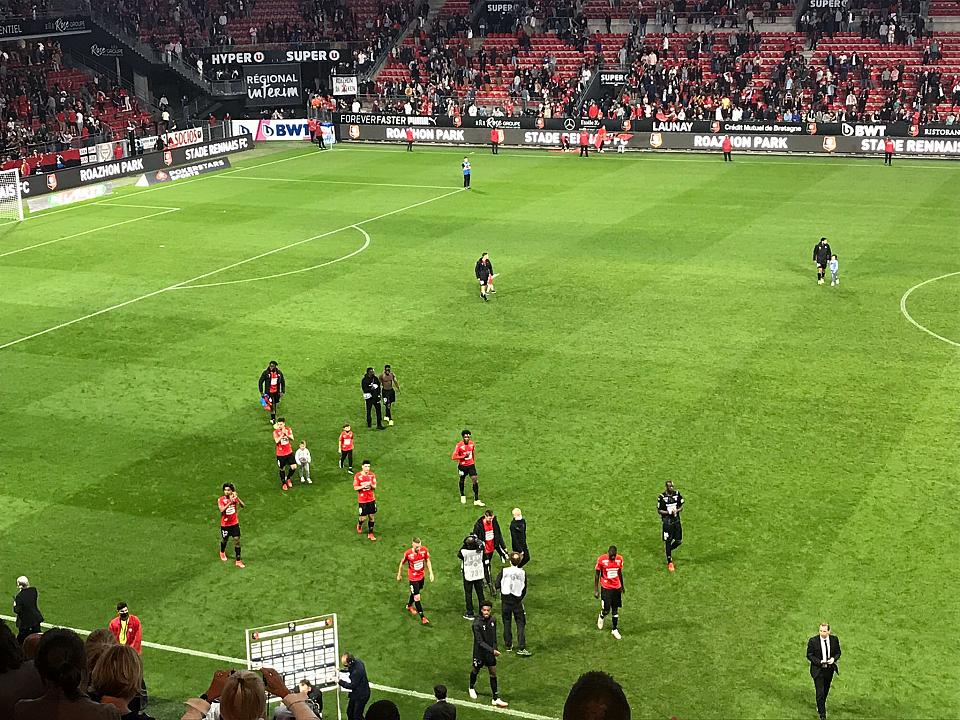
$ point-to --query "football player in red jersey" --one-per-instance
(286, 460)
(345, 445)
(229, 522)
(608, 586)
(415, 558)
(465, 455)
(365, 483)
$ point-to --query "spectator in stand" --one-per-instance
(25, 608)
(116, 680)
(19, 679)
(61, 662)
(596, 696)
(441, 709)
(242, 696)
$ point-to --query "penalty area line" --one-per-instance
(243, 663)
(205, 275)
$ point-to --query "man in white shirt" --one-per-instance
(302, 457)
(512, 584)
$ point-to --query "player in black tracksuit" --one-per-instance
(484, 273)
(370, 386)
(821, 256)
(669, 505)
(485, 651)
(518, 536)
(273, 386)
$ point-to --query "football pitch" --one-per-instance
(657, 317)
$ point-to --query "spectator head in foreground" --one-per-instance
(94, 646)
(383, 710)
(243, 697)
(30, 645)
(596, 696)
(117, 676)
(11, 654)
(61, 661)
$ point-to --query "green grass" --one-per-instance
(657, 317)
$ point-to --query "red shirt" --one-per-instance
(346, 441)
(282, 438)
(727, 145)
(134, 631)
(228, 512)
(409, 135)
(610, 571)
(584, 138)
(494, 135)
(273, 386)
(489, 536)
(463, 453)
(888, 146)
(416, 561)
(365, 496)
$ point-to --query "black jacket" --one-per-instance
(441, 710)
(498, 545)
(815, 655)
(264, 383)
(483, 270)
(25, 608)
(484, 636)
(518, 535)
(370, 385)
(822, 253)
(358, 685)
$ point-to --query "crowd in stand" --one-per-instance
(37, 113)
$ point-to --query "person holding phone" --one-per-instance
(242, 696)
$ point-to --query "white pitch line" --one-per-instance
(906, 313)
(241, 662)
(110, 203)
(87, 232)
(340, 182)
(205, 275)
(366, 244)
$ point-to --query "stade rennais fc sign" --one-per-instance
(274, 85)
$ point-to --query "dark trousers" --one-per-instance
(34, 630)
(469, 588)
(494, 146)
(374, 403)
(727, 157)
(466, 180)
(409, 147)
(584, 151)
(320, 143)
(346, 459)
(513, 610)
(821, 682)
(888, 158)
(356, 705)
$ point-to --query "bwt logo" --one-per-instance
(292, 130)
(863, 130)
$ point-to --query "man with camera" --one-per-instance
(472, 567)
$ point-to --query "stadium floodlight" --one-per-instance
(298, 649)
(11, 205)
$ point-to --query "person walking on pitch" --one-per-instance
(465, 455)
(834, 266)
(512, 584)
(302, 456)
(487, 529)
(388, 388)
(821, 256)
(465, 166)
(608, 586)
(370, 387)
(416, 558)
(228, 503)
(485, 652)
(365, 483)
(473, 569)
(823, 651)
(669, 505)
(272, 386)
(286, 460)
(345, 446)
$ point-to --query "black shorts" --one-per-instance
(465, 470)
(484, 279)
(611, 599)
(389, 396)
(230, 531)
(820, 265)
(368, 508)
(286, 460)
(416, 586)
(274, 399)
(485, 660)
(672, 531)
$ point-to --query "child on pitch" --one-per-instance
(303, 463)
(834, 266)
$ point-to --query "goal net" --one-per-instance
(11, 207)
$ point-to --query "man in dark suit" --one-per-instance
(26, 610)
(441, 709)
(823, 651)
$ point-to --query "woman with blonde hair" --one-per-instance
(116, 679)
(242, 696)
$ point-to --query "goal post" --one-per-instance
(11, 202)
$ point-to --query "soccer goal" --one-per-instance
(11, 205)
